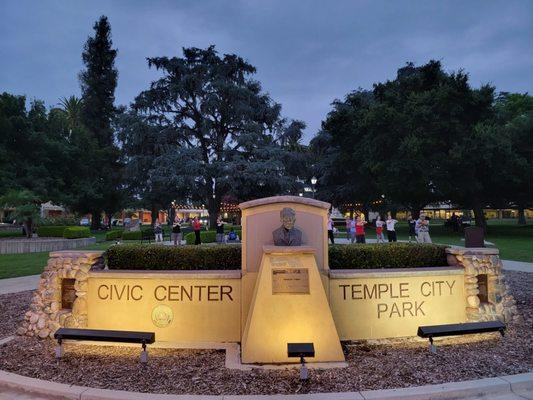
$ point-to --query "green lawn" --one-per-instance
(515, 243)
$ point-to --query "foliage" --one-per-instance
(394, 255)
(59, 221)
(100, 190)
(25, 205)
(138, 235)
(114, 234)
(76, 232)
(157, 257)
(206, 236)
(51, 231)
(220, 127)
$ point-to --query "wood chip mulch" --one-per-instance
(12, 309)
(394, 364)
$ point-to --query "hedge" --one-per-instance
(137, 235)
(76, 232)
(113, 234)
(391, 255)
(351, 256)
(157, 257)
(206, 236)
(51, 231)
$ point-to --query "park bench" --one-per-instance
(99, 335)
(432, 331)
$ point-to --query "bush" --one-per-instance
(352, 256)
(113, 234)
(157, 257)
(51, 231)
(131, 235)
(137, 235)
(394, 255)
(76, 232)
(60, 221)
(206, 236)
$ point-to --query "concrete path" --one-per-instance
(517, 266)
(13, 386)
(14, 285)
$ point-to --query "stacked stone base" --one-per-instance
(46, 313)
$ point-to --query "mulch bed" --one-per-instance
(397, 363)
(12, 309)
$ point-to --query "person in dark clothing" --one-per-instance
(220, 230)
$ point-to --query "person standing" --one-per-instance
(391, 231)
(220, 230)
(197, 227)
(348, 227)
(422, 226)
(352, 230)
(330, 229)
(158, 231)
(360, 230)
(379, 230)
(176, 232)
(412, 228)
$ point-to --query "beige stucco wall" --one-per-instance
(203, 306)
(376, 304)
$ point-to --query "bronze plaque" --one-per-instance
(290, 281)
(482, 285)
(68, 293)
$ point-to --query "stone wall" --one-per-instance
(46, 313)
(37, 245)
(483, 267)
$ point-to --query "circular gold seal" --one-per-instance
(162, 316)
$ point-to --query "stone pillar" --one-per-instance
(483, 270)
(46, 313)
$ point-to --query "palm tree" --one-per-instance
(72, 106)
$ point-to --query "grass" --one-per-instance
(13, 265)
(515, 243)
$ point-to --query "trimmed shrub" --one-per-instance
(137, 235)
(59, 221)
(51, 231)
(391, 255)
(206, 236)
(131, 235)
(351, 256)
(113, 234)
(157, 257)
(76, 232)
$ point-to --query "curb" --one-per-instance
(511, 386)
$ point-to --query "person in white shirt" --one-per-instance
(422, 227)
(379, 230)
(391, 232)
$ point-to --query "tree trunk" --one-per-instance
(213, 207)
(415, 212)
(521, 215)
(154, 213)
(28, 226)
(109, 217)
(171, 215)
(479, 216)
(95, 220)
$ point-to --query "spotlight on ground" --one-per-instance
(301, 350)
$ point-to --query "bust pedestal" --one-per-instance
(289, 305)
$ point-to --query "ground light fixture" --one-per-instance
(301, 350)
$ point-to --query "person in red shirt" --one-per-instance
(360, 230)
(197, 227)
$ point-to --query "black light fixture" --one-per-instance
(301, 350)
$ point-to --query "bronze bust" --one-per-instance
(287, 234)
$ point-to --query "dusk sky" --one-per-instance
(307, 53)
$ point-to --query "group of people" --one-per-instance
(176, 234)
(355, 229)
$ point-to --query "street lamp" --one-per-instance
(313, 183)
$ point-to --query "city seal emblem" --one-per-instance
(162, 316)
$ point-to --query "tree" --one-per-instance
(514, 117)
(26, 208)
(98, 83)
(221, 126)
